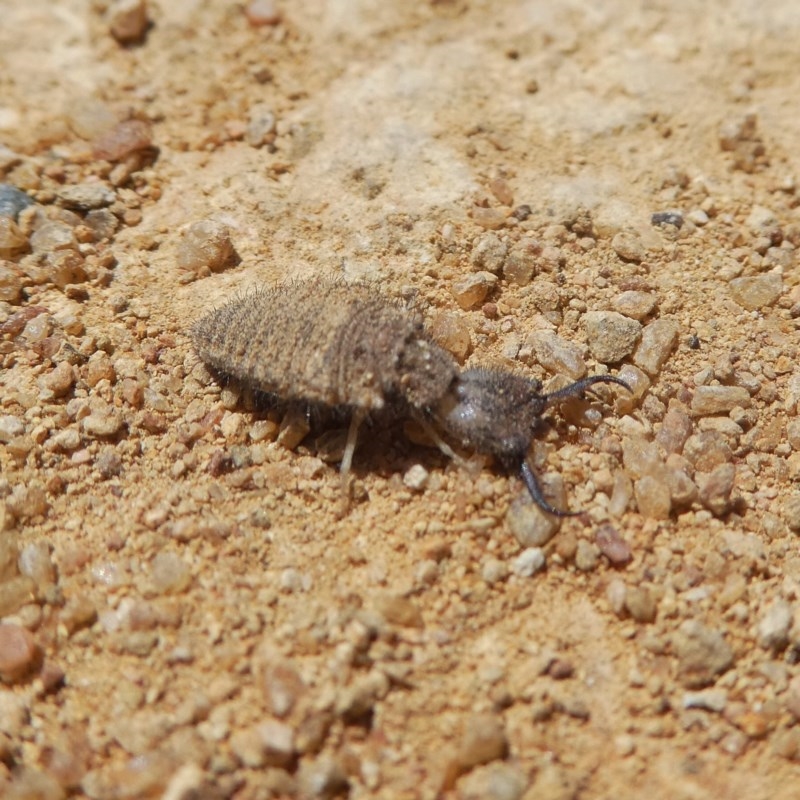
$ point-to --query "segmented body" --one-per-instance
(325, 342)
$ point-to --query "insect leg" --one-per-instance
(350, 446)
(444, 448)
(532, 482)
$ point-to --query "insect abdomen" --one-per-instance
(322, 341)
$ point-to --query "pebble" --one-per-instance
(698, 217)
(102, 424)
(676, 427)
(108, 463)
(14, 713)
(790, 511)
(613, 546)
(169, 573)
(11, 282)
(587, 556)
(502, 191)
(206, 245)
(12, 240)
(282, 686)
(641, 604)
(709, 400)
(471, 290)
(489, 253)
(277, 742)
(78, 613)
(681, 487)
(707, 450)
(123, 140)
(452, 332)
(611, 336)
(53, 236)
(490, 218)
(323, 778)
(530, 526)
(528, 562)
(702, 653)
(103, 223)
(761, 220)
(659, 339)
(484, 741)
(398, 610)
(19, 653)
(260, 128)
(13, 200)
(774, 626)
(634, 304)
(36, 563)
(496, 781)
(628, 246)
(653, 498)
(127, 20)
(262, 12)
(707, 699)
(10, 427)
(494, 571)
(86, 196)
(714, 488)
(555, 354)
(757, 292)
(520, 264)
(416, 477)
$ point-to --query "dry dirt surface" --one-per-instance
(560, 189)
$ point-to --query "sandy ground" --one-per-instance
(185, 614)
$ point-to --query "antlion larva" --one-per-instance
(347, 346)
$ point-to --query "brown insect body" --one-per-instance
(325, 342)
(345, 345)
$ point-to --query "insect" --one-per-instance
(347, 346)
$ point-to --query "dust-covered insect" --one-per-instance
(348, 347)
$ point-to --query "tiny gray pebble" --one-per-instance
(13, 200)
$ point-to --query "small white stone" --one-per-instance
(528, 562)
(416, 477)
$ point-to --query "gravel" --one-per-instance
(659, 339)
(702, 653)
(472, 290)
(489, 253)
(641, 604)
(206, 247)
(530, 561)
(635, 304)
(628, 246)
(774, 626)
(611, 336)
(710, 400)
(529, 525)
(13, 200)
(19, 653)
(757, 292)
(86, 196)
(555, 354)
